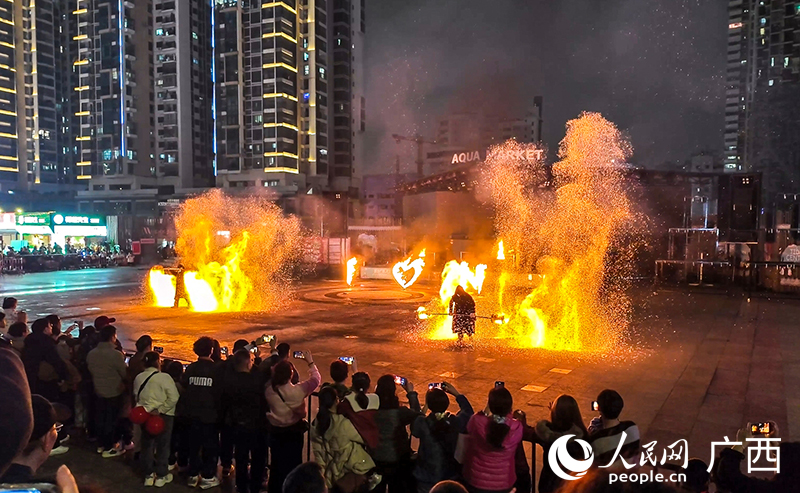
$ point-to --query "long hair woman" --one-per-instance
(494, 436)
(287, 415)
(393, 453)
(565, 419)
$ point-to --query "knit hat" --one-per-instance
(16, 414)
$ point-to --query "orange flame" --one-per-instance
(351, 270)
(501, 251)
(235, 250)
(162, 285)
(565, 238)
(400, 270)
(561, 238)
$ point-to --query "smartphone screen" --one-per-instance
(347, 359)
(298, 355)
(158, 349)
(760, 428)
(435, 385)
(224, 350)
(75, 333)
(399, 380)
(595, 407)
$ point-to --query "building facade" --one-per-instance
(464, 138)
(184, 94)
(763, 85)
(114, 130)
(289, 95)
(34, 84)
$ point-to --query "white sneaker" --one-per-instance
(193, 481)
(150, 480)
(209, 483)
(59, 450)
(114, 452)
(373, 481)
(161, 481)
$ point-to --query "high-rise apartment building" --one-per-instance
(287, 76)
(257, 108)
(33, 82)
(114, 63)
(184, 93)
(349, 104)
(763, 80)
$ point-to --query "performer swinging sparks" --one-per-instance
(180, 287)
(462, 309)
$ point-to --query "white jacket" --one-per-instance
(160, 394)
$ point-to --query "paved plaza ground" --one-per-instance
(698, 365)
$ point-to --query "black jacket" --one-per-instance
(243, 401)
(17, 474)
(41, 347)
(729, 476)
(200, 399)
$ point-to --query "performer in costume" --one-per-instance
(462, 309)
(180, 287)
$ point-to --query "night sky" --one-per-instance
(654, 67)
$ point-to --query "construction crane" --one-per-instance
(420, 158)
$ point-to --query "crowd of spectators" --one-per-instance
(246, 416)
(56, 257)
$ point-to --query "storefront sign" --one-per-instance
(465, 157)
(8, 221)
(518, 155)
(33, 219)
(70, 220)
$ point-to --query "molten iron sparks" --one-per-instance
(567, 241)
(400, 270)
(565, 237)
(351, 270)
(236, 252)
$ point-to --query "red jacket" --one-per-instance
(485, 467)
(362, 419)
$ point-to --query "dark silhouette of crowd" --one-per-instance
(249, 416)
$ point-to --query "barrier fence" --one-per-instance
(13, 265)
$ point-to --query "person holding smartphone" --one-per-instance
(393, 453)
(494, 434)
(565, 419)
(438, 435)
(287, 415)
